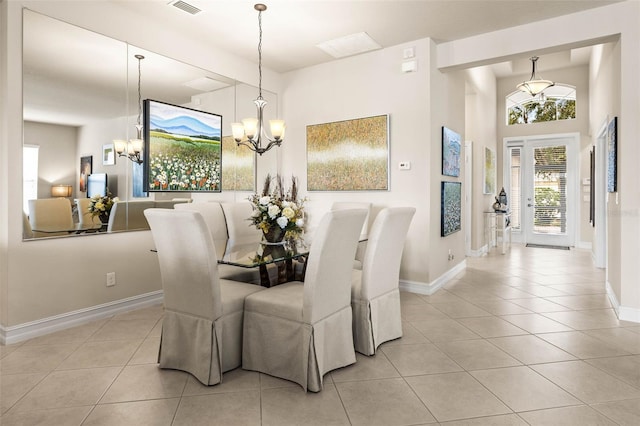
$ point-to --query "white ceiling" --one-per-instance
(293, 28)
(291, 31)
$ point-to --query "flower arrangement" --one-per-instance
(278, 213)
(101, 205)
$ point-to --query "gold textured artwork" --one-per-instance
(350, 155)
(238, 165)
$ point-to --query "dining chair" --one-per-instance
(203, 314)
(364, 233)
(299, 331)
(84, 215)
(239, 226)
(214, 218)
(375, 296)
(50, 214)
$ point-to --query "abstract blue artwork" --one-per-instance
(612, 155)
(451, 208)
(450, 152)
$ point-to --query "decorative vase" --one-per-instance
(104, 218)
(273, 242)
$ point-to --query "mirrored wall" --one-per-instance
(82, 92)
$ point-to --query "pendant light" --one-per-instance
(253, 128)
(534, 85)
(133, 149)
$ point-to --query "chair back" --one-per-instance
(342, 205)
(240, 228)
(327, 284)
(128, 215)
(381, 265)
(214, 218)
(188, 262)
(50, 214)
(27, 232)
(84, 215)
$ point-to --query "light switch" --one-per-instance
(404, 165)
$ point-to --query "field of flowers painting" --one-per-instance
(350, 155)
(238, 167)
(451, 214)
(184, 146)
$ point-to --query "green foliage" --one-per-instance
(547, 206)
(551, 110)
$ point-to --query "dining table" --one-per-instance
(284, 256)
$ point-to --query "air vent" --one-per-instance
(182, 5)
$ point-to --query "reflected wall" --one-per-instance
(87, 96)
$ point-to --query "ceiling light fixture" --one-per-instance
(133, 149)
(534, 85)
(253, 128)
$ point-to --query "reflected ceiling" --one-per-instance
(62, 86)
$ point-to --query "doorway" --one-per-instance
(543, 184)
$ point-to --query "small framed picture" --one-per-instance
(108, 154)
(86, 168)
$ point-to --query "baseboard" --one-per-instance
(624, 313)
(429, 288)
(20, 332)
(480, 252)
(584, 245)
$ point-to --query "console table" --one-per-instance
(497, 227)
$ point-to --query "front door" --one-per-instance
(550, 181)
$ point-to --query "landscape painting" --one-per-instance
(350, 155)
(451, 148)
(183, 149)
(451, 208)
(490, 171)
(238, 170)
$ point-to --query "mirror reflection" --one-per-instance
(80, 101)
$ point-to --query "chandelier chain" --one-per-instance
(260, 55)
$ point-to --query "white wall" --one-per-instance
(58, 147)
(373, 84)
(481, 110)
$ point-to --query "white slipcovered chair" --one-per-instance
(85, 218)
(300, 331)
(364, 233)
(239, 227)
(51, 215)
(375, 297)
(215, 220)
(203, 314)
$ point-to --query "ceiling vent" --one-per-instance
(349, 45)
(183, 5)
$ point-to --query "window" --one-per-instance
(29, 175)
(515, 187)
(556, 103)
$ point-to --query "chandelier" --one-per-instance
(534, 85)
(133, 149)
(253, 128)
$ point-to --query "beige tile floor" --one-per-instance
(523, 338)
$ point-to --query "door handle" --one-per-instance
(529, 205)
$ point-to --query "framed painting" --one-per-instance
(451, 208)
(350, 155)
(86, 168)
(108, 154)
(489, 171)
(238, 170)
(451, 147)
(612, 155)
(183, 149)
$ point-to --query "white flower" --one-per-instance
(288, 212)
(282, 221)
(264, 200)
(273, 211)
(300, 223)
